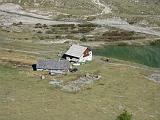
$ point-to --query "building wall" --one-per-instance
(70, 58)
(86, 52)
(86, 58)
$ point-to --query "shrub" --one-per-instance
(91, 18)
(38, 25)
(122, 44)
(20, 23)
(157, 42)
(70, 36)
(26, 38)
(44, 25)
(85, 29)
(58, 36)
(41, 38)
(87, 25)
(16, 24)
(83, 39)
(124, 116)
(39, 31)
(48, 31)
(63, 25)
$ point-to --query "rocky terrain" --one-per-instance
(78, 85)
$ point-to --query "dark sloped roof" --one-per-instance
(53, 65)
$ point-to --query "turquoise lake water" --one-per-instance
(147, 55)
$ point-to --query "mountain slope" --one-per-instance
(136, 7)
(74, 7)
(90, 7)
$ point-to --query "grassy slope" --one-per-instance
(134, 11)
(24, 97)
(80, 6)
(135, 8)
(148, 10)
(74, 7)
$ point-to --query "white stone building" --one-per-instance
(78, 54)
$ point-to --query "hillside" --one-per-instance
(74, 7)
(124, 36)
(135, 7)
(89, 7)
(134, 11)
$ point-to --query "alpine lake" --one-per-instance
(147, 54)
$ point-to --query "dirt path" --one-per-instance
(121, 24)
(12, 13)
(105, 10)
(9, 18)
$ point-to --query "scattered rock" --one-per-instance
(105, 59)
(42, 77)
(75, 86)
(54, 72)
(143, 23)
(121, 107)
(56, 83)
(154, 77)
(81, 83)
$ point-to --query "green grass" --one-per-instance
(24, 97)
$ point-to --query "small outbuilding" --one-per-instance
(78, 54)
(53, 66)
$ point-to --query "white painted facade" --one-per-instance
(78, 54)
(87, 58)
